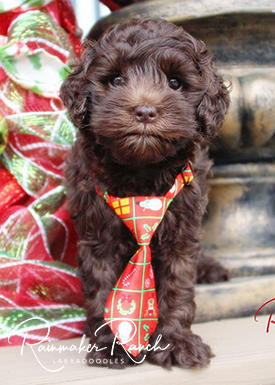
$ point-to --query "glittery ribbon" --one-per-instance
(8, 5)
(37, 241)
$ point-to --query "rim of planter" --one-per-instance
(178, 11)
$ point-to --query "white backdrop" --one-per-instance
(88, 12)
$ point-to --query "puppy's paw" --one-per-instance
(118, 360)
(210, 270)
(190, 353)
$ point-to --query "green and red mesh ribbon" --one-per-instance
(114, 5)
(38, 41)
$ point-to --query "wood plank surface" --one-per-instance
(245, 354)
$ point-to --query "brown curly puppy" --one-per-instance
(145, 97)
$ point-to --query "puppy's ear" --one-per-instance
(76, 90)
(215, 100)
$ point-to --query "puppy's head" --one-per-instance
(145, 91)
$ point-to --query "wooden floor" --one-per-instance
(245, 354)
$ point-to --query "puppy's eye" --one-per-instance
(116, 80)
(174, 83)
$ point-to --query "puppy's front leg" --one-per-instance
(102, 255)
(175, 256)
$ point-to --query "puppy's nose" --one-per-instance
(145, 114)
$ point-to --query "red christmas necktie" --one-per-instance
(131, 309)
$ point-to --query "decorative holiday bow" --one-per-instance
(131, 309)
(38, 41)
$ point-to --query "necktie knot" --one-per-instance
(142, 215)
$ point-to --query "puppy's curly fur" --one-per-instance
(129, 67)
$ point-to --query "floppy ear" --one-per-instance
(76, 90)
(215, 100)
